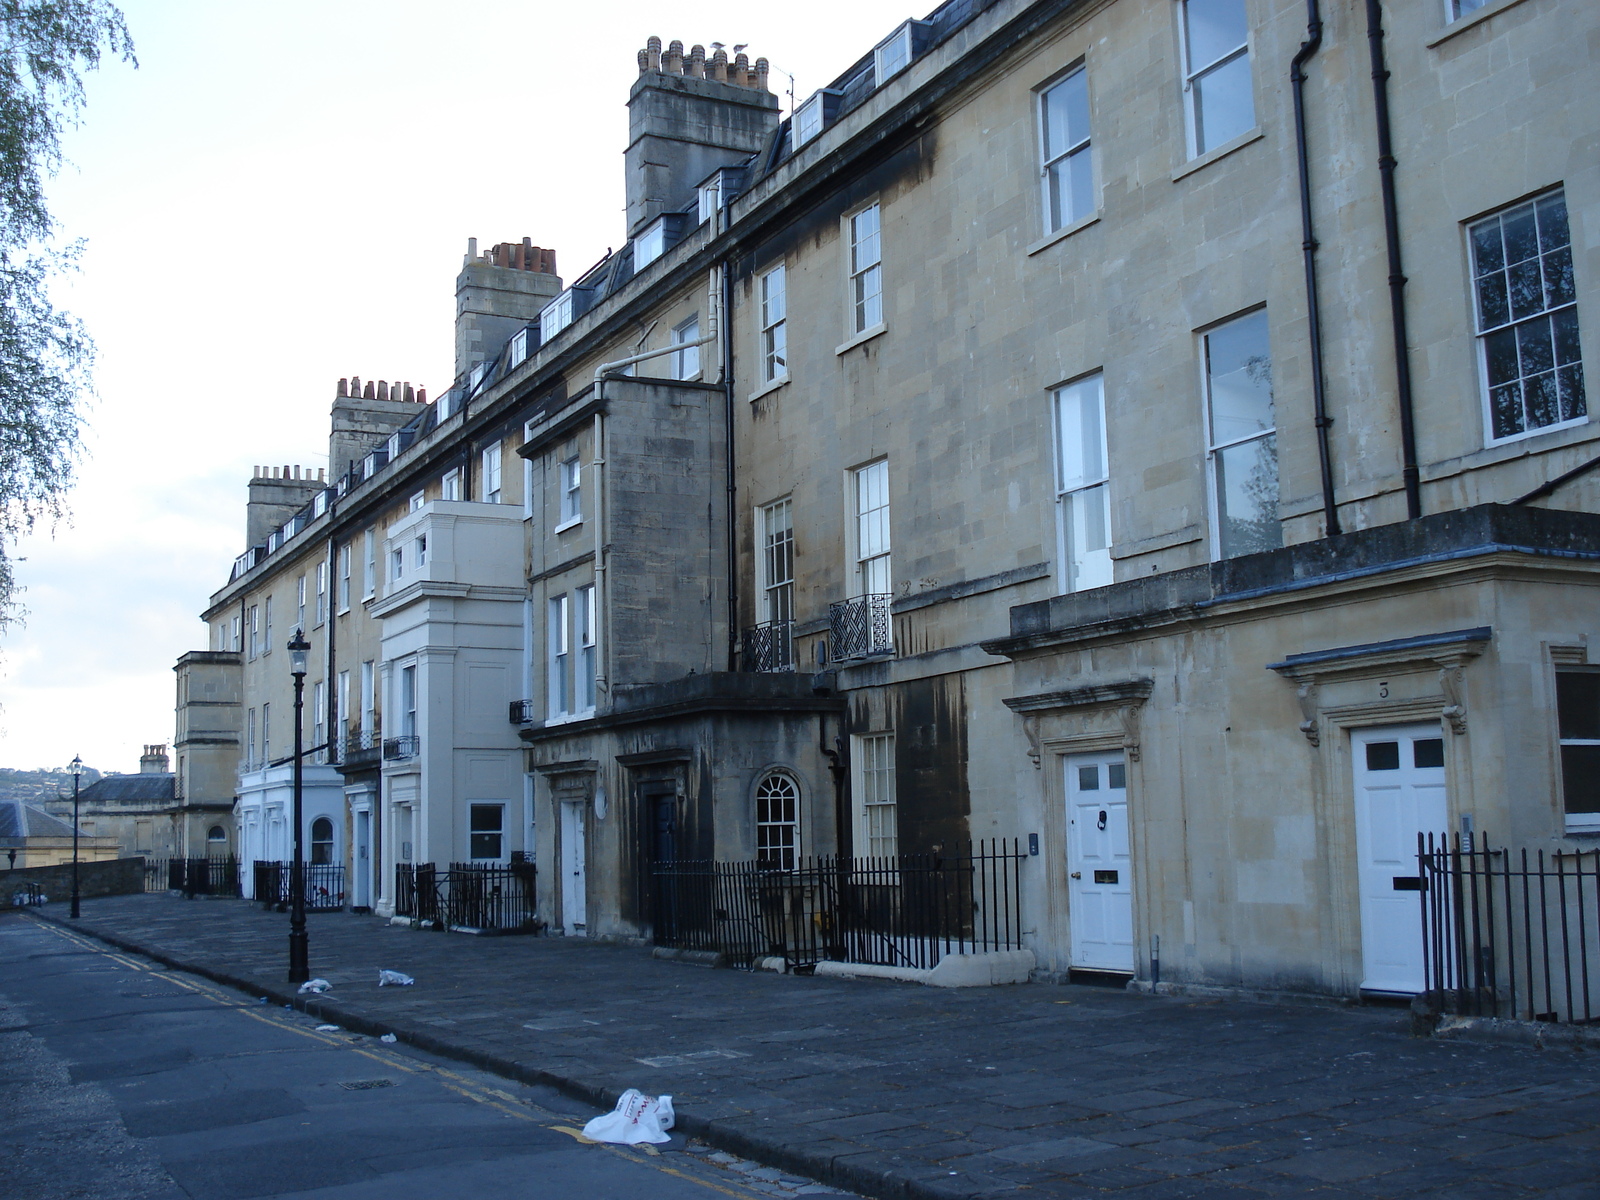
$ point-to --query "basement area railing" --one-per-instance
(467, 896)
(192, 876)
(909, 910)
(1514, 936)
(323, 887)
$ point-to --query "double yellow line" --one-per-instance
(495, 1098)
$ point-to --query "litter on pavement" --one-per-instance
(388, 1037)
(636, 1118)
(327, 1029)
(315, 985)
(396, 978)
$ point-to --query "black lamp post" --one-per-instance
(76, 767)
(299, 970)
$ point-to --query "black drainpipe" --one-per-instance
(1397, 280)
(1308, 249)
(726, 330)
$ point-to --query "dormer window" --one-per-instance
(477, 376)
(895, 52)
(649, 245)
(808, 120)
(556, 315)
(812, 117)
(520, 345)
(710, 199)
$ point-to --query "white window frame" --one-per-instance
(474, 807)
(892, 55)
(558, 659)
(450, 485)
(369, 552)
(807, 122)
(686, 361)
(517, 348)
(266, 624)
(1454, 10)
(369, 696)
(250, 740)
(322, 591)
(344, 577)
(407, 700)
(1079, 488)
(777, 833)
(556, 316)
(1068, 158)
(253, 625)
(569, 482)
(774, 297)
(650, 245)
(489, 476)
(341, 710)
(419, 550)
(300, 607)
(266, 731)
(319, 718)
(1214, 498)
(1574, 822)
(397, 563)
(865, 265)
(708, 199)
(587, 639)
(871, 539)
(1565, 312)
(1192, 75)
(775, 560)
(877, 825)
(418, 499)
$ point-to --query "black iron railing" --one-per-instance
(1510, 936)
(467, 895)
(407, 745)
(861, 626)
(359, 742)
(906, 911)
(769, 646)
(524, 712)
(324, 884)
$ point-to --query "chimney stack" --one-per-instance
(154, 761)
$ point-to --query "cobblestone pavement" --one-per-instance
(901, 1090)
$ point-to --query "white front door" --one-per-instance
(1099, 887)
(361, 891)
(574, 890)
(1400, 792)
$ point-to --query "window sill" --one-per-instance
(569, 524)
(1581, 823)
(1462, 24)
(866, 335)
(1222, 151)
(768, 389)
(1063, 233)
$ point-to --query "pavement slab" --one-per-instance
(897, 1090)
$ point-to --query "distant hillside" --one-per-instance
(36, 787)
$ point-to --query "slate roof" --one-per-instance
(19, 821)
(130, 789)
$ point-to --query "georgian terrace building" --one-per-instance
(1126, 424)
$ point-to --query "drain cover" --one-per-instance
(362, 1085)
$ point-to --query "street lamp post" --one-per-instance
(76, 767)
(299, 969)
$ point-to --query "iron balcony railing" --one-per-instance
(193, 876)
(359, 741)
(769, 646)
(1515, 937)
(524, 712)
(407, 745)
(909, 910)
(467, 896)
(323, 886)
(861, 626)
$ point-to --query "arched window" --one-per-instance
(216, 836)
(322, 840)
(777, 822)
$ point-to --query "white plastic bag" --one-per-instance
(394, 978)
(636, 1118)
(390, 1038)
(315, 985)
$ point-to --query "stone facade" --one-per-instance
(991, 450)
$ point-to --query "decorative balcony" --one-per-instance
(769, 646)
(406, 746)
(861, 626)
(362, 747)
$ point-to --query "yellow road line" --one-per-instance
(496, 1099)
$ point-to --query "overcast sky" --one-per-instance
(280, 195)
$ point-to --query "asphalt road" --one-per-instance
(120, 1079)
